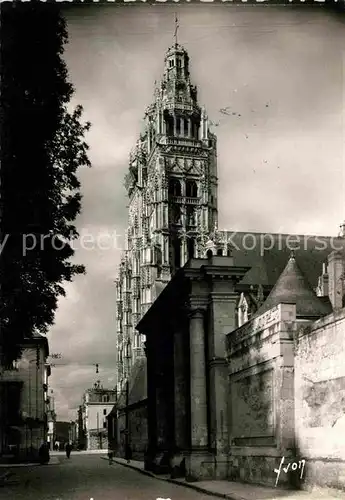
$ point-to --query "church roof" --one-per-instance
(137, 384)
(267, 254)
(138, 381)
(292, 287)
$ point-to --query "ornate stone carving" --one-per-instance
(180, 155)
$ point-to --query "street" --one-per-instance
(85, 477)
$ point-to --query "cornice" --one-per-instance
(234, 273)
(217, 361)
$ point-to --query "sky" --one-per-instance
(280, 163)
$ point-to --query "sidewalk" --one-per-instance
(80, 452)
(52, 461)
(238, 491)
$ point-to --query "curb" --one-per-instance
(27, 464)
(179, 483)
(9, 466)
(199, 489)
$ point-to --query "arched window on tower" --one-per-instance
(191, 189)
(186, 127)
(169, 124)
(158, 261)
(176, 214)
(190, 215)
(195, 130)
(174, 187)
(191, 247)
(178, 126)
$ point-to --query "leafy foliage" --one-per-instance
(42, 148)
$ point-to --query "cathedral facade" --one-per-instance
(230, 356)
(172, 191)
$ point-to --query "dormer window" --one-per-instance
(171, 63)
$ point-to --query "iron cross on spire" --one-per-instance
(176, 29)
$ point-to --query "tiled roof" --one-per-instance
(292, 287)
(254, 250)
(138, 382)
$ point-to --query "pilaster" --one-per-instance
(199, 462)
(199, 428)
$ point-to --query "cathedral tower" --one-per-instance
(172, 190)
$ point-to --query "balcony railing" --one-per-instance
(192, 201)
(180, 141)
(185, 199)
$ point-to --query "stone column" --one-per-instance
(189, 128)
(181, 126)
(175, 126)
(199, 463)
(184, 251)
(199, 430)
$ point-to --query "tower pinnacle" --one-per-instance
(176, 29)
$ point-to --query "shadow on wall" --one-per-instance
(320, 400)
(263, 449)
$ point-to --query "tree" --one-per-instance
(42, 148)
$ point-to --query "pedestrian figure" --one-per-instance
(110, 456)
(128, 453)
(43, 454)
(68, 450)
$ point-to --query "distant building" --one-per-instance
(72, 434)
(24, 401)
(62, 433)
(51, 419)
(97, 404)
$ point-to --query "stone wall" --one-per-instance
(261, 396)
(320, 400)
(96, 442)
(138, 431)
